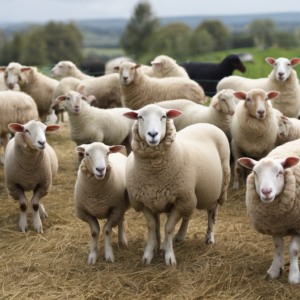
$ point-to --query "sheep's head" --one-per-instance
(62, 69)
(73, 101)
(269, 175)
(97, 157)
(34, 133)
(14, 74)
(224, 102)
(127, 71)
(284, 125)
(256, 101)
(152, 122)
(162, 63)
(282, 66)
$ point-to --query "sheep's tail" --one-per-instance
(226, 180)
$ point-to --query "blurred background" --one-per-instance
(42, 33)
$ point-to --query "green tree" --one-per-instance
(284, 39)
(263, 32)
(139, 31)
(16, 47)
(201, 42)
(5, 54)
(296, 35)
(218, 31)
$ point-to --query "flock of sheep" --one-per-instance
(178, 149)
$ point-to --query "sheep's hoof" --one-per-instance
(25, 229)
(147, 258)
(42, 212)
(170, 258)
(110, 260)
(294, 279)
(210, 239)
(179, 238)
(92, 258)
(235, 186)
(272, 275)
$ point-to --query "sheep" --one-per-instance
(163, 174)
(15, 107)
(68, 69)
(139, 89)
(254, 127)
(100, 193)
(164, 66)
(109, 66)
(106, 89)
(209, 74)
(273, 203)
(219, 112)
(282, 79)
(33, 83)
(90, 124)
(30, 165)
(288, 130)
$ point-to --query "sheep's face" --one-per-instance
(96, 156)
(282, 67)
(224, 102)
(256, 101)
(283, 127)
(73, 101)
(62, 69)
(34, 133)
(269, 175)
(162, 63)
(152, 122)
(127, 72)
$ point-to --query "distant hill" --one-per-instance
(106, 32)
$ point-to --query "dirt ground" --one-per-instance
(53, 265)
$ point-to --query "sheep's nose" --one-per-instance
(153, 134)
(261, 112)
(280, 74)
(42, 143)
(266, 192)
(11, 85)
(125, 78)
(100, 170)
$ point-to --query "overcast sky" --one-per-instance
(45, 10)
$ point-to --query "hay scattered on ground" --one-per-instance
(53, 265)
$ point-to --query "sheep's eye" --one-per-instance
(163, 117)
(107, 153)
(131, 68)
(275, 64)
(60, 66)
(280, 173)
(289, 65)
(223, 100)
(6, 76)
(86, 154)
(248, 99)
(27, 131)
(140, 118)
(266, 99)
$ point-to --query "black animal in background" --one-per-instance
(93, 67)
(199, 71)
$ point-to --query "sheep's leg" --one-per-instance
(277, 264)
(109, 255)
(211, 215)
(152, 240)
(121, 233)
(238, 169)
(5, 141)
(294, 251)
(173, 219)
(95, 232)
(35, 207)
(23, 211)
(157, 231)
(180, 236)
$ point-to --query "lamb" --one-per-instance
(30, 165)
(209, 74)
(282, 79)
(254, 127)
(273, 203)
(106, 89)
(15, 107)
(100, 193)
(33, 83)
(162, 176)
(164, 66)
(68, 69)
(219, 113)
(139, 89)
(288, 130)
(90, 124)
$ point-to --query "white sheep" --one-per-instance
(68, 69)
(219, 112)
(254, 128)
(15, 107)
(165, 66)
(273, 203)
(30, 165)
(282, 79)
(109, 66)
(163, 173)
(288, 130)
(139, 89)
(100, 193)
(33, 83)
(90, 124)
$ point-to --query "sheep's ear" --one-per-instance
(295, 61)
(115, 149)
(70, 64)
(137, 66)
(131, 115)
(286, 120)
(215, 103)
(25, 69)
(290, 162)
(273, 95)
(117, 68)
(247, 162)
(84, 98)
(52, 128)
(16, 127)
(80, 149)
(61, 98)
(240, 95)
(271, 61)
(81, 89)
(156, 62)
(173, 114)
(2, 69)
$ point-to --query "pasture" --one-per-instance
(53, 265)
